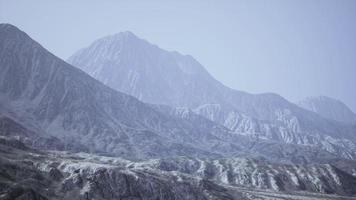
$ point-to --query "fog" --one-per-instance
(294, 48)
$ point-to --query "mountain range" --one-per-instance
(125, 112)
(132, 65)
(63, 102)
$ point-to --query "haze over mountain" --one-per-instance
(60, 107)
(329, 108)
(247, 45)
(216, 150)
(61, 101)
(134, 66)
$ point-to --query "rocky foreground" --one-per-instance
(30, 174)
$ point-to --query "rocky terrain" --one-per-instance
(31, 174)
(66, 135)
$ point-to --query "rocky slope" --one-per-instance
(287, 128)
(260, 146)
(30, 174)
(134, 66)
(329, 108)
(261, 174)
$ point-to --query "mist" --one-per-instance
(293, 48)
(177, 100)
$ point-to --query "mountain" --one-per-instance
(31, 174)
(329, 108)
(49, 104)
(105, 144)
(132, 65)
(53, 99)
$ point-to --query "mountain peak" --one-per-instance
(9, 30)
(127, 34)
(329, 108)
(6, 26)
(16, 40)
(125, 37)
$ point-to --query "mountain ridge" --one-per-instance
(63, 99)
(155, 76)
(329, 108)
(63, 102)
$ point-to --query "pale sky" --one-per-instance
(294, 48)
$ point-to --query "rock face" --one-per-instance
(33, 175)
(132, 65)
(329, 108)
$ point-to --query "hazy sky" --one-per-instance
(294, 48)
